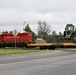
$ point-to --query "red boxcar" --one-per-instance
(22, 39)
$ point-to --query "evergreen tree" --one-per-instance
(28, 29)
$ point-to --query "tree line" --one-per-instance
(45, 32)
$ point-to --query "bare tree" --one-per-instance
(44, 29)
(60, 37)
(54, 36)
(5, 32)
(11, 32)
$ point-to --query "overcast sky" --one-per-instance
(57, 13)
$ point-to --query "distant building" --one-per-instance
(40, 40)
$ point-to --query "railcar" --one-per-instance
(21, 40)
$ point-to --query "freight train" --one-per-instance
(25, 40)
(21, 40)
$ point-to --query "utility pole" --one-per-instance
(24, 24)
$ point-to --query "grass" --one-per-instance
(20, 51)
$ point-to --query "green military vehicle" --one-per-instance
(70, 33)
